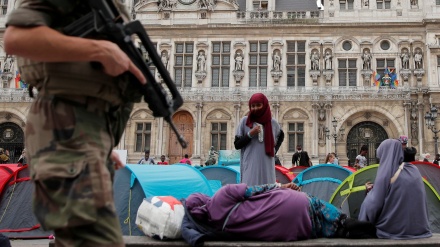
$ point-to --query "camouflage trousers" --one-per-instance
(68, 146)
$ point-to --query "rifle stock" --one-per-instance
(105, 19)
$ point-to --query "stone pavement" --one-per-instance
(136, 241)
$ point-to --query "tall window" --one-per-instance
(383, 4)
(437, 2)
(260, 4)
(218, 135)
(346, 4)
(296, 63)
(296, 135)
(4, 6)
(438, 69)
(221, 56)
(347, 72)
(183, 64)
(143, 136)
(258, 64)
(383, 63)
(146, 56)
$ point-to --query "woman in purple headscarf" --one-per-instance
(259, 136)
(397, 202)
(267, 212)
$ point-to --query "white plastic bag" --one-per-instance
(161, 217)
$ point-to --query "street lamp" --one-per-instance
(430, 118)
(335, 132)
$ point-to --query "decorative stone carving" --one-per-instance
(315, 74)
(405, 73)
(276, 57)
(328, 74)
(276, 75)
(238, 60)
(314, 59)
(207, 4)
(238, 76)
(200, 75)
(201, 61)
(166, 4)
(405, 58)
(418, 59)
(366, 74)
(419, 73)
(366, 59)
(276, 71)
(328, 60)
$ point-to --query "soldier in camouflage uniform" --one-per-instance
(75, 121)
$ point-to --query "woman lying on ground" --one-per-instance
(269, 212)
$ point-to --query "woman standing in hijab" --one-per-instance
(259, 137)
(397, 202)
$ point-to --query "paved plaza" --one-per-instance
(145, 241)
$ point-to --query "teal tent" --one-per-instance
(135, 182)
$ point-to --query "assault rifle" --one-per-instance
(106, 20)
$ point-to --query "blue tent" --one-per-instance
(321, 180)
(225, 174)
(228, 157)
(135, 182)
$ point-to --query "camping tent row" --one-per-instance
(134, 183)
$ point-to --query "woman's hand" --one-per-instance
(368, 186)
(292, 186)
(255, 130)
(114, 156)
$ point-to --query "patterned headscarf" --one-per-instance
(264, 117)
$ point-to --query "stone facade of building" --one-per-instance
(350, 74)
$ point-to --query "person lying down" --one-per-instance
(270, 212)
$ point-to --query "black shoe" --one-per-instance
(359, 229)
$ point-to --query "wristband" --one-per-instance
(249, 135)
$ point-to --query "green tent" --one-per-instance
(351, 193)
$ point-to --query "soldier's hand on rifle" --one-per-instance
(116, 62)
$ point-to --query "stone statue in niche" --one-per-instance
(276, 61)
(418, 60)
(201, 61)
(414, 2)
(405, 59)
(314, 58)
(164, 58)
(366, 59)
(238, 61)
(328, 60)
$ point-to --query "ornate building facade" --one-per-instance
(348, 74)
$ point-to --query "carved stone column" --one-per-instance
(276, 110)
(198, 142)
(237, 108)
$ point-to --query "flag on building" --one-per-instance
(19, 83)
